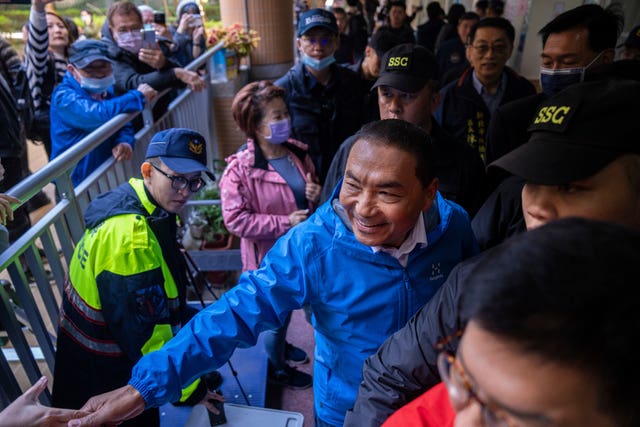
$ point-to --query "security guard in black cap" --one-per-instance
(582, 160)
(407, 91)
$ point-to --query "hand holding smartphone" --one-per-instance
(148, 38)
(220, 418)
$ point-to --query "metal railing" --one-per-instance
(52, 239)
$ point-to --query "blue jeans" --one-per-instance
(274, 344)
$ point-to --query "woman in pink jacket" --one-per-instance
(268, 187)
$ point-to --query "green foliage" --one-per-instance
(211, 214)
(12, 17)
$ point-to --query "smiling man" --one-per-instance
(126, 293)
(582, 160)
(407, 90)
(468, 103)
(364, 262)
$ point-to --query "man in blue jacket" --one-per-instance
(581, 160)
(84, 101)
(364, 262)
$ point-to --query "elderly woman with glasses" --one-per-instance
(268, 187)
(553, 319)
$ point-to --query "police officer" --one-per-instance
(126, 293)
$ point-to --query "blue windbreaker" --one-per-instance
(74, 115)
(358, 297)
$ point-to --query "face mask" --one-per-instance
(130, 41)
(317, 64)
(92, 85)
(280, 131)
(554, 81)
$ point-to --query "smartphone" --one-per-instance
(196, 21)
(148, 38)
(220, 419)
(160, 18)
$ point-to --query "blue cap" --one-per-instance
(317, 18)
(84, 52)
(182, 150)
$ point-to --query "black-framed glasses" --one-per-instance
(323, 41)
(483, 49)
(461, 391)
(179, 182)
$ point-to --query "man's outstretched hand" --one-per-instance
(26, 411)
(111, 408)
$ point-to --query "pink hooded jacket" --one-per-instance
(257, 201)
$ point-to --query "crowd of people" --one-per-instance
(448, 231)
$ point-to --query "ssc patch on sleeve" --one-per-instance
(399, 63)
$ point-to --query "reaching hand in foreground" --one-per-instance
(26, 411)
(111, 408)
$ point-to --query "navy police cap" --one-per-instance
(182, 150)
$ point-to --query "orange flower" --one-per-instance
(235, 37)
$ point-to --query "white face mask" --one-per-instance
(93, 85)
(317, 64)
(280, 131)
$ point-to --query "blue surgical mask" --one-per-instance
(93, 85)
(280, 131)
(554, 81)
(317, 64)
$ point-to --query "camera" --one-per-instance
(148, 38)
(160, 18)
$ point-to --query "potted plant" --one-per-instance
(206, 222)
(238, 42)
(236, 37)
(204, 230)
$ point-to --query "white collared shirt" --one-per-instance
(418, 236)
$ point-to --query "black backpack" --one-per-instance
(22, 95)
(11, 131)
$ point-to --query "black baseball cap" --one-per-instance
(317, 18)
(182, 150)
(578, 132)
(633, 39)
(407, 67)
(382, 40)
(84, 52)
